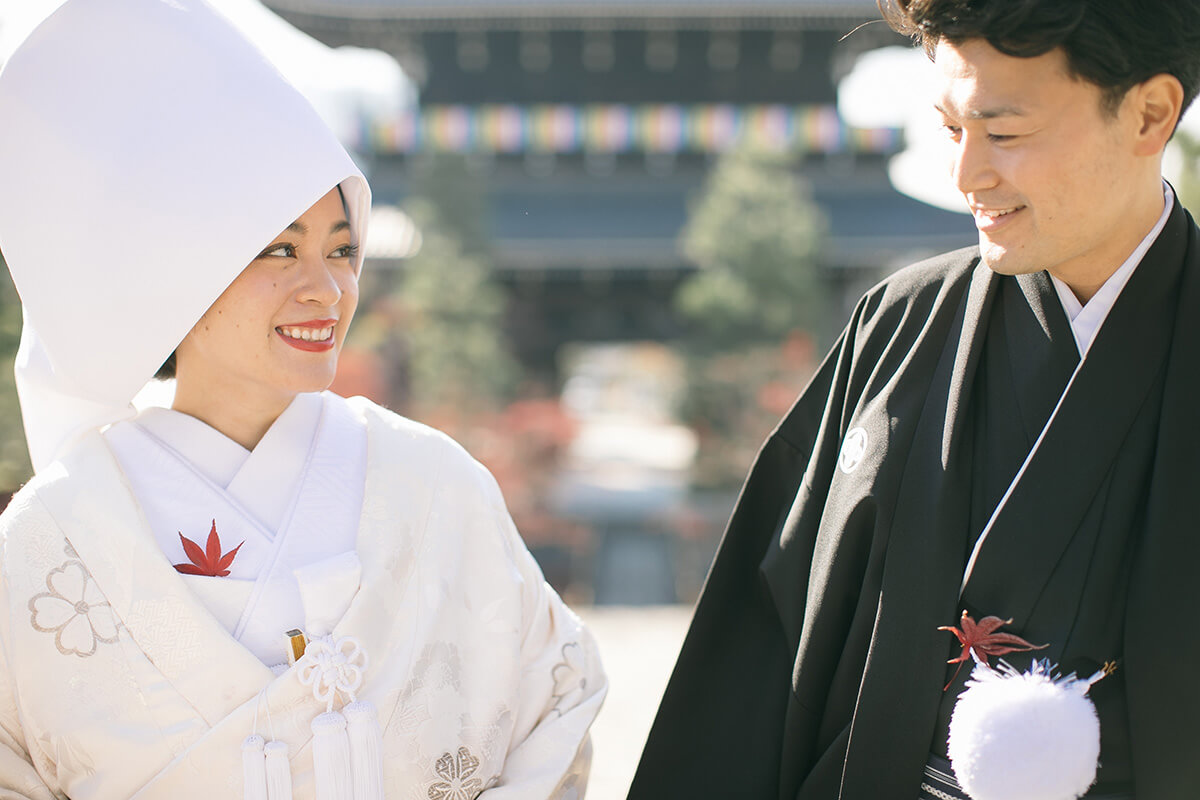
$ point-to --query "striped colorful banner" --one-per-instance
(666, 128)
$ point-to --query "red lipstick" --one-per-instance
(292, 334)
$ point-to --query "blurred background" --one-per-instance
(610, 243)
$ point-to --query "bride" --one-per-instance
(265, 590)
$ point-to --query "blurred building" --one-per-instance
(592, 124)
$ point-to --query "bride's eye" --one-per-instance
(281, 250)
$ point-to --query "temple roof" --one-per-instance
(729, 9)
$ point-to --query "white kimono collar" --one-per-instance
(262, 481)
(1087, 319)
(103, 523)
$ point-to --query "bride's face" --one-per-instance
(278, 328)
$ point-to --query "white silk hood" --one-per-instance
(148, 152)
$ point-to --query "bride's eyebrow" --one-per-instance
(300, 228)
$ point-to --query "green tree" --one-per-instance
(756, 236)
(14, 457)
(454, 314)
(457, 196)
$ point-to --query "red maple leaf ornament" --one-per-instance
(982, 638)
(208, 561)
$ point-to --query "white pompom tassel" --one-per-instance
(254, 769)
(279, 771)
(366, 745)
(331, 757)
(1025, 736)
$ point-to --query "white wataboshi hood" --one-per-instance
(140, 171)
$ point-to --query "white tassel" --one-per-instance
(1025, 736)
(331, 757)
(279, 771)
(366, 745)
(334, 667)
(254, 769)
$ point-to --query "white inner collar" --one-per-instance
(261, 479)
(1087, 319)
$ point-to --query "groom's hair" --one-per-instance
(1114, 44)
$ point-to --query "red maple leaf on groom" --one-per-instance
(210, 560)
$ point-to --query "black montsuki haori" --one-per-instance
(814, 668)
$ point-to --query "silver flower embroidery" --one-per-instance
(455, 771)
(569, 681)
(408, 717)
(74, 610)
(437, 673)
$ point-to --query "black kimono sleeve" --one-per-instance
(764, 690)
(719, 728)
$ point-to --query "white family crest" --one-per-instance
(854, 448)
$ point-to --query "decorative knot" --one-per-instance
(332, 667)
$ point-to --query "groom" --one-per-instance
(1008, 431)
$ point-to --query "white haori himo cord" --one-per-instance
(366, 739)
(987, 529)
(254, 768)
(331, 757)
(266, 771)
(347, 747)
(1025, 735)
(279, 771)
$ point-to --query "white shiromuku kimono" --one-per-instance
(150, 571)
(123, 678)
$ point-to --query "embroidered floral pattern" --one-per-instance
(408, 718)
(74, 610)
(490, 734)
(435, 680)
(456, 771)
(570, 683)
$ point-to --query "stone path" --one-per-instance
(639, 646)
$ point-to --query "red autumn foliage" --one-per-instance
(209, 561)
(982, 637)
